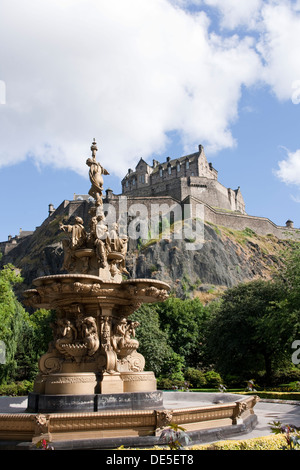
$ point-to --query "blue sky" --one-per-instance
(151, 80)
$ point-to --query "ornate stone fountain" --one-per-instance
(94, 350)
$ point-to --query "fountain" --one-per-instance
(92, 388)
(94, 350)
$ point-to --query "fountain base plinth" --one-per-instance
(71, 384)
(88, 383)
(138, 381)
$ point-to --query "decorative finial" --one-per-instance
(94, 148)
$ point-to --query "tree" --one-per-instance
(289, 306)
(12, 317)
(40, 322)
(243, 339)
(283, 321)
(153, 341)
(36, 336)
(25, 336)
(185, 323)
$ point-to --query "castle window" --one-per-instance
(126, 184)
(133, 181)
(178, 167)
(160, 172)
(169, 169)
(187, 164)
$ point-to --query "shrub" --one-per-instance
(16, 389)
(234, 381)
(171, 384)
(213, 379)
(286, 376)
(195, 377)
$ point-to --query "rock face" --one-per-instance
(226, 258)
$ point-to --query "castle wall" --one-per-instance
(162, 188)
(235, 221)
(232, 220)
(212, 193)
(239, 201)
(7, 246)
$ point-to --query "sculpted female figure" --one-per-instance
(95, 174)
(90, 335)
(67, 334)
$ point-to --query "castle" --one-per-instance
(190, 175)
(191, 181)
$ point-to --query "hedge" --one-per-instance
(274, 395)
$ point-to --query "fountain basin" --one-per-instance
(63, 289)
(125, 420)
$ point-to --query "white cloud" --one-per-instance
(236, 13)
(124, 72)
(275, 26)
(289, 169)
(279, 46)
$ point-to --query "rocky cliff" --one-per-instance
(226, 258)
